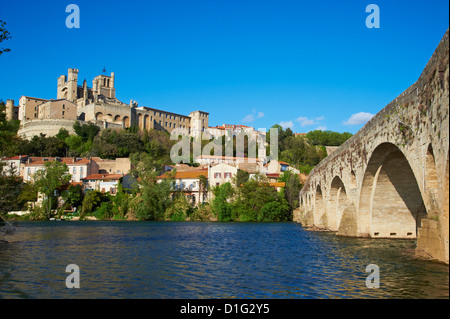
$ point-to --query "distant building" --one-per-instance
(78, 167)
(117, 166)
(221, 173)
(188, 183)
(105, 183)
(99, 105)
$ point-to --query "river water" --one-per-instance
(177, 260)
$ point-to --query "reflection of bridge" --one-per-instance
(390, 180)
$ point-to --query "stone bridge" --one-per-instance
(390, 180)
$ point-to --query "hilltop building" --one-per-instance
(97, 104)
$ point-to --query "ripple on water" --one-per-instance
(209, 260)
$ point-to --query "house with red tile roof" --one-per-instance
(78, 167)
(188, 182)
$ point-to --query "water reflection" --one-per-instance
(209, 260)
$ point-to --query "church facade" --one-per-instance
(97, 104)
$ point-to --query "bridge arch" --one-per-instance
(391, 204)
(320, 216)
(337, 203)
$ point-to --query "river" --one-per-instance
(175, 260)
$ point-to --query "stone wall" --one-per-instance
(49, 127)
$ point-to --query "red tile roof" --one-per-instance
(40, 161)
(17, 157)
(103, 177)
(191, 174)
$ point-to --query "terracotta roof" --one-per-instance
(277, 184)
(17, 157)
(40, 161)
(283, 163)
(273, 175)
(103, 176)
(191, 174)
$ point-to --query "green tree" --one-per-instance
(51, 178)
(8, 133)
(91, 201)
(86, 131)
(40, 145)
(241, 177)
(292, 188)
(275, 211)
(153, 196)
(10, 187)
(251, 197)
(220, 204)
(4, 35)
(62, 134)
(73, 196)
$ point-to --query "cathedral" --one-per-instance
(97, 104)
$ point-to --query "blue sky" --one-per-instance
(305, 64)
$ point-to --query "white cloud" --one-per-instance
(359, 118)
(251, 117)
(321, 128)
(287, 124)
(304, 121)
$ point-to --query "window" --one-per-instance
(227, 175)
(217, 175)
(74, 170)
